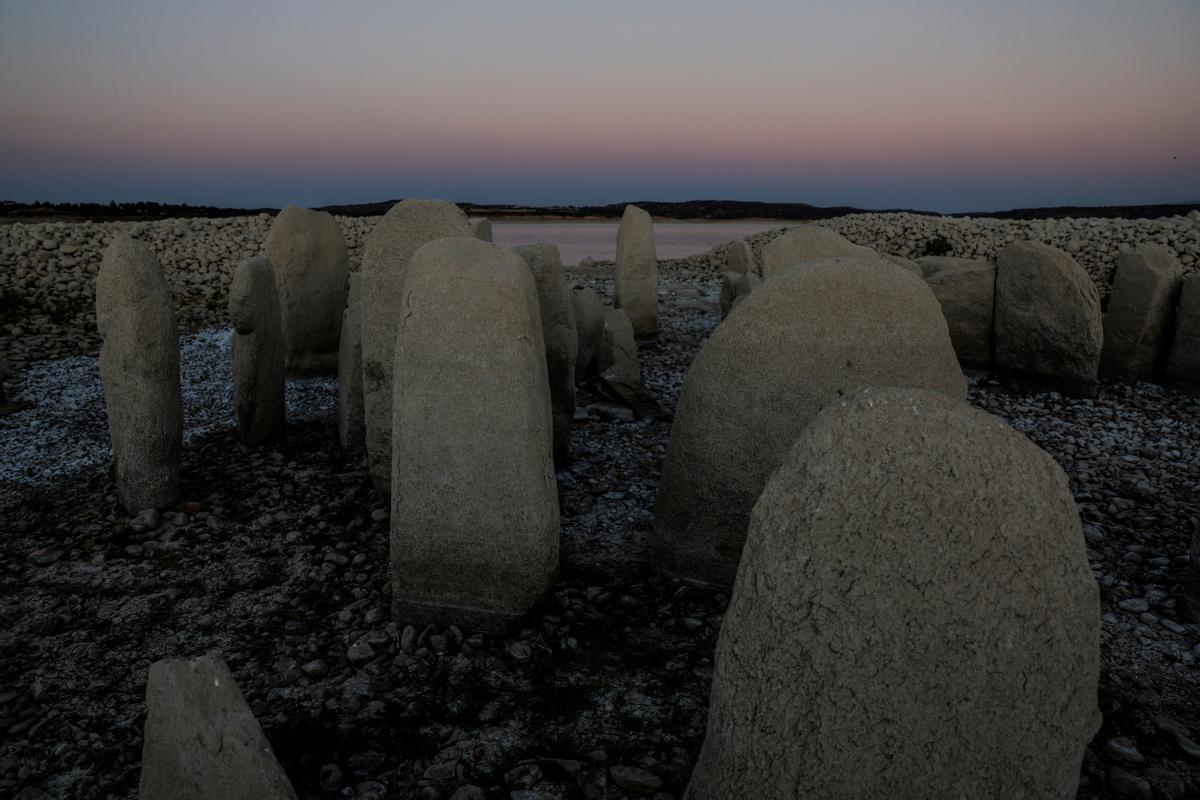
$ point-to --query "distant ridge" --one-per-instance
(689, 209)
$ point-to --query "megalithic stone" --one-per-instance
(311, 263)
(139, 367)
(258, 352)
(351, 425)
(636, 275)
(475, 521)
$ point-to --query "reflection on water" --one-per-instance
(598, 240)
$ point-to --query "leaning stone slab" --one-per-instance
(636, 272)
(1047, 323)
(308, 252)
(966, 292)
(800, 342)
(139, 367)
(1141, 313)
(258, 352)
(481, 228)
(805, 243)
(588, 310)
(914, 616)
(558, 332)
(620, 369)
(386, 252)
(202, 741)
(474, 538)
(1184, 363)
(351, 422)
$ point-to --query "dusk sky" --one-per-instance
(949, 106)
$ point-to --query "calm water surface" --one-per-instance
(598, 240)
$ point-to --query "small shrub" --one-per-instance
(937, 246)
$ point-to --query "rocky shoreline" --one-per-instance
(277, 559)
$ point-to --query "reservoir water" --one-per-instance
(598, 240)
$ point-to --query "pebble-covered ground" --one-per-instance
(277, 559)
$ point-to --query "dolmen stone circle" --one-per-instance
(913, 616)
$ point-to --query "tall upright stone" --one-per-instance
(588, 310)
(739, 257)
(351, 423)
(386, 252)
(966, 292)
(1047, 322)
(481, 228)
(914, 616)
(201, 739)
(139, 367)
(618, 348)
(558, 332)
(258, 352)
(801, 341)
(805, 243)
(308, 252)
(474, 538)
(636, 276)
(1141, 313)
(1184, 362)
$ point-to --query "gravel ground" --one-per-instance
(277, 559)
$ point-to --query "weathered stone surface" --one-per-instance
(914, 616)
(798, 343)
(481, 228)
(618, 350)
(201, 739)
(805, 243)
(588, 310)
(407, 225)
(308, 252)
(558, 332)
(729, 281)
(636, 271)
(1047, 322)
(258, 352)
(1184, 363)
(351, 422)
(966, 292)
(139, 366)
(474, 502)
(905, 263)
(1141, 312)
(739, 257)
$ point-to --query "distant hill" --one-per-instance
(689, 209)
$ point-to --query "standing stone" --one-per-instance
(1141, 312)
(558, 332)
(805, 243)
(386, 252)
(967, 295)
(913, 616)
(588, 310)
(201, 739)
(932, 265)
(481, 228)
(1184, 363)
(795, 345)
(905, 263)
(618, 349)
(308, 252)
(636, 274)
(729, 281)
(474, 502)
(351, 425)
(258, 352)
(739, 257)
(139, 366)
(1047, 323)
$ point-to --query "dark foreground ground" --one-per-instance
(277, 560)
